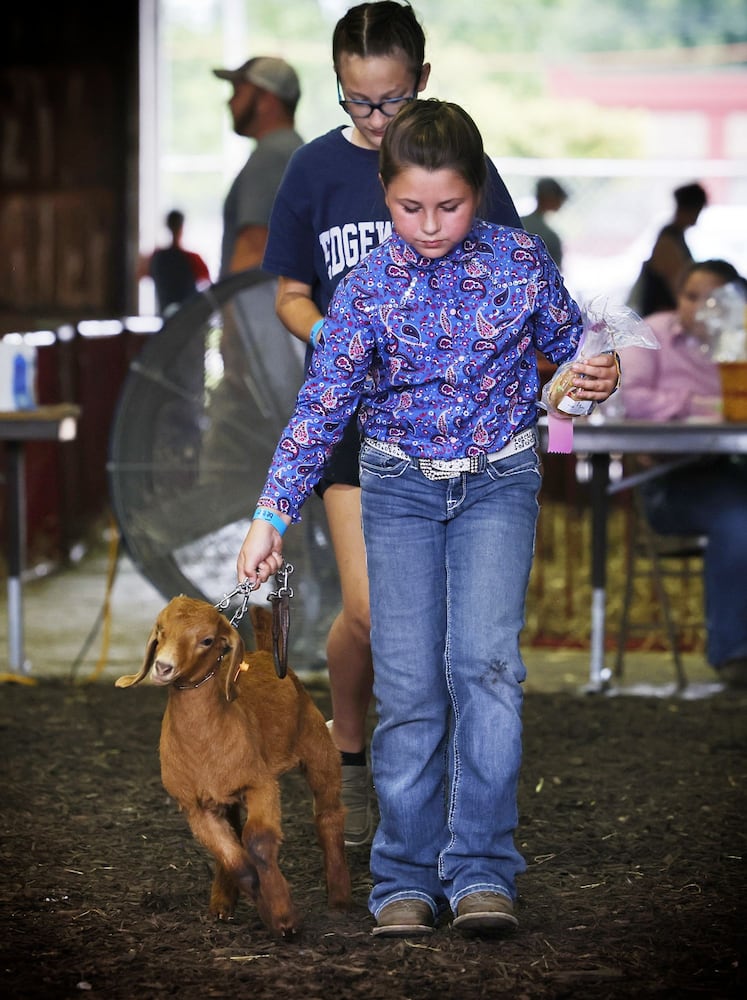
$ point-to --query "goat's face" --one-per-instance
(189, 640)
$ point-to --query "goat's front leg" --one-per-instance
(234, 869)
(225, 890)
(262, 837)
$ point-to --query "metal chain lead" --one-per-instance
(245, 589)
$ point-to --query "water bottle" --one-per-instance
(23, 380)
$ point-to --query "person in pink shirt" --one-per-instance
(707, 496)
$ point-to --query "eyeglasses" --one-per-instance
(364, 109)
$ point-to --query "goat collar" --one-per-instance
(205, 679)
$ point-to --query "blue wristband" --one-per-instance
(314, 333)
(272, 517)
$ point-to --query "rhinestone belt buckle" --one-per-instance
(435, 469)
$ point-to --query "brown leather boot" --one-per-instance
(404, 918)
(485, 912)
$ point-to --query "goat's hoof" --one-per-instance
(221, 903)
(287, 927)
(289, 933)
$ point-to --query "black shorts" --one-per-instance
(342, 466)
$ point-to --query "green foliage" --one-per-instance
(491, 57)
(562, 27)
(542, 129)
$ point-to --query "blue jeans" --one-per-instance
(448, 566)
(710, 498)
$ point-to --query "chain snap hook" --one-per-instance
(280, 613)
(245, 590)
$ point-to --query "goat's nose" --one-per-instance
(163, 671)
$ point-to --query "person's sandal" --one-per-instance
(404, 918)
(485, 913)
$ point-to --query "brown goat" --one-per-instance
(230, 729)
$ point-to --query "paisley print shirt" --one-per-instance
(440, 354)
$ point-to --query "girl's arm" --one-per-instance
(261, 554)
(295, 307)
(325, 404)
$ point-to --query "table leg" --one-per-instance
(599, 675)
(16, 547)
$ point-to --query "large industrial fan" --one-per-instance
(196, 424)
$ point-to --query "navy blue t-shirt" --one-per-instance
(329, 212)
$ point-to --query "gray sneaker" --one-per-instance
(356, 797)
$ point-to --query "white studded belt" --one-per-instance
(436, 468)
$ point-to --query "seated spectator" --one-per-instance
(708, 495)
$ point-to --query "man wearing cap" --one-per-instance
(550, 197)
(263, 104)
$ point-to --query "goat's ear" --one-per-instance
(235, 646)
(150, 651)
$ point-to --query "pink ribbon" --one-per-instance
(559, 434)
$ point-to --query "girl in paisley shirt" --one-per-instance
(328, 213)
(433, 336)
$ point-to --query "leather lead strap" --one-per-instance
(280, 627)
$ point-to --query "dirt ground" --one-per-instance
(632, 824)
